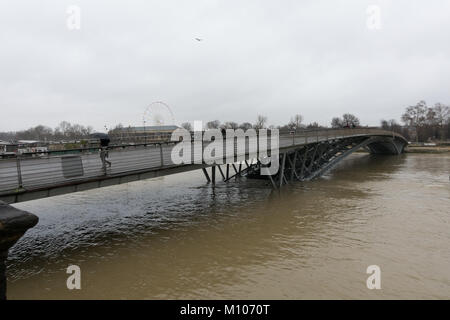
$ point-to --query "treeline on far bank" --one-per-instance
(422, 123)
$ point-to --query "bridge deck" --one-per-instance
(26, 178)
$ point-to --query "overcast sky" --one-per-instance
(276, 58)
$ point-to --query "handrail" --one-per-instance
(24, 171)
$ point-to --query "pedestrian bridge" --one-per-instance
(303, 155)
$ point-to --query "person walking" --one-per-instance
(104, 154)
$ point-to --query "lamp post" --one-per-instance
(145, 132)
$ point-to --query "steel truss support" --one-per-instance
(221, 172)
(238, 171)
(313, 160)
(303, 163)
(206, 175)
(213, 174)
(241, 172)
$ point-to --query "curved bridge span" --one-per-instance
(303, 155)
(313, 158)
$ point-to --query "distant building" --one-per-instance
(8, 147)
(138, 135)
(3, 146)
(25, 146)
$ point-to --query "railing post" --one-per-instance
(235, 150)
(19, 172)
(161, 154)
(213, 174)
(257, 145)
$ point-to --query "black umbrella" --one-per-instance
(103, 137)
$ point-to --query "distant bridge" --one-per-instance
(304, 155)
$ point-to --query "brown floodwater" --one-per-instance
(177, 237)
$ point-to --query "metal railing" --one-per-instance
(41, 169)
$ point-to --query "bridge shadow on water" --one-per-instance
(173, 237)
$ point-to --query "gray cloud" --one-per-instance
(276, 58)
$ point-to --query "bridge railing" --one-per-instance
(40, 169)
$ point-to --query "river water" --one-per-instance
(177, 237)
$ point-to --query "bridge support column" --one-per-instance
(213, 174)
(206, 175)
(221, 172)
(283, 162)
(13, 225)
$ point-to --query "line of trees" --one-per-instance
(393, 125)
(64, 131)
(296, 123)
(261, 123)
(422, 122)
(216, 124)
(347, 120)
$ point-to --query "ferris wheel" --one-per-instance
(158, 113)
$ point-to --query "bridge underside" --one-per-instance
(312, 160)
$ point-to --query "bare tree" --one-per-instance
(295, 122)
(64, 128)
(416, 116)
(260, 122)
(347, 120)
(336, 122)
(350, 120)
(230, 125)
(442, 113)
(313, 125)
(442, 119)
(213, 124)
(392, 125)
(187, 126)
(245, 126)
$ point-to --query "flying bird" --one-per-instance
(198, 39)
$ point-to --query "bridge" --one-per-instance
(303, 155)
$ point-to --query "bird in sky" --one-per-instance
(198, 39)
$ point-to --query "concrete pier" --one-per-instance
(13, 225)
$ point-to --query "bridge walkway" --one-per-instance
(33, 176)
